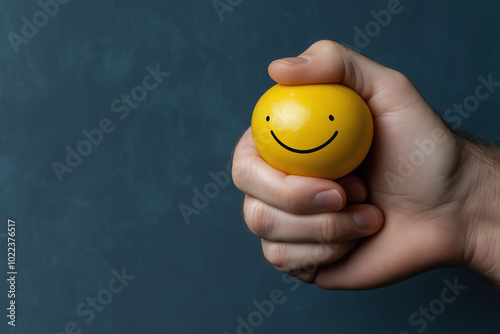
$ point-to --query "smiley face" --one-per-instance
(313, 130)
(291, 149)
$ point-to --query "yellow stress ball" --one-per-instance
(320, 130)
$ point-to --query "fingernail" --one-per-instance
(365, 219)
(328, 200)
(294, 61)
(354, 191)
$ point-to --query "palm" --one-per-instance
(409, 180)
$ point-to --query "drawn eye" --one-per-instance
(331, 117)
(267, 118)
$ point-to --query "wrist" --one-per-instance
(481, 208)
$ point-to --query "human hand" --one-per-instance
(418, 173)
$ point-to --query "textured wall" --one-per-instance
(163, 89)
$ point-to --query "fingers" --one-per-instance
(353, 222)
(286, 208)
(295, 194)
(303, 260)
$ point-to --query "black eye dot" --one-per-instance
(267, 118)
(331, 118)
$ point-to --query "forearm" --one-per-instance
(481, 164)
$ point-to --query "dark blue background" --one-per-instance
(120, 206)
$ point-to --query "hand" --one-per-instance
(421, 183)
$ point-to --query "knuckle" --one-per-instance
(240, 173)
(328, 45)
(256, 216)
(309, 265)
(291, 196)
(287, 199)
(276, 254)
(327, 230)
(400, 80)
(327, 253)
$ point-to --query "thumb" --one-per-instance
(382, 88)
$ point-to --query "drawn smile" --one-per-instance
(291, 149)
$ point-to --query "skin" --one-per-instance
(363, 232)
